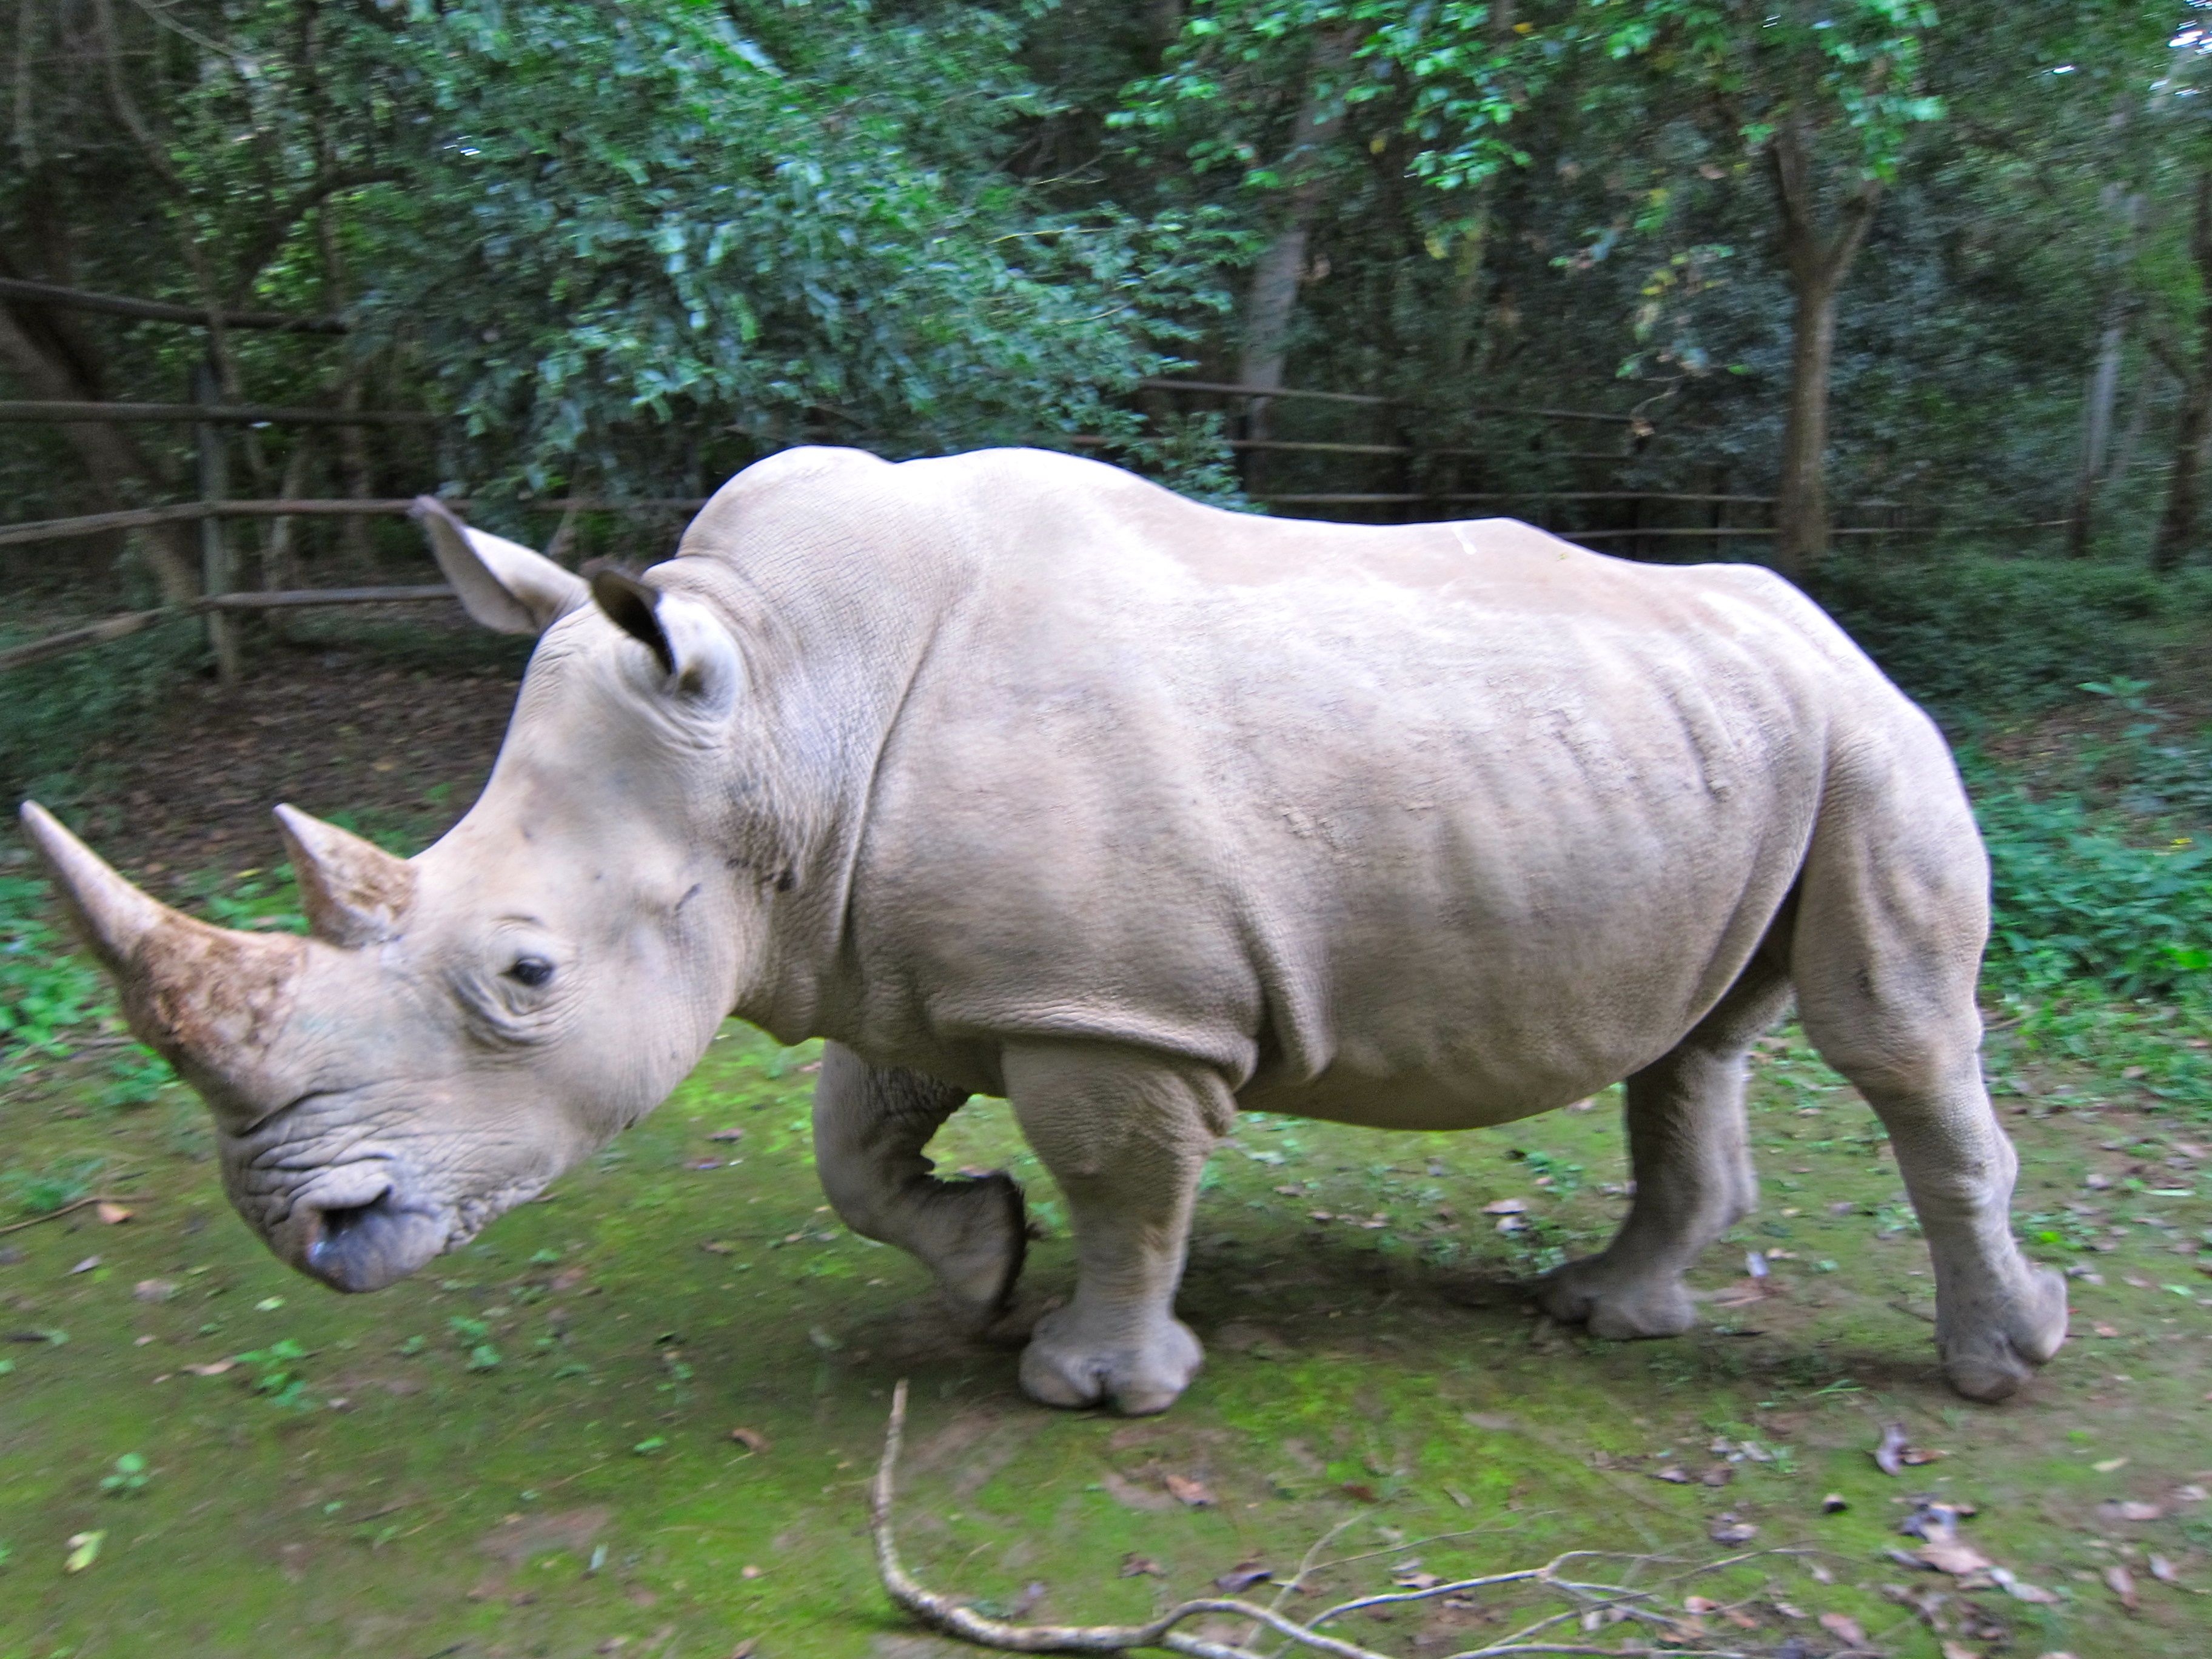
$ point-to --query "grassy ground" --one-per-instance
(528, 1448)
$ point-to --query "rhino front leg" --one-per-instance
(1126, 1134)
(1688, 1148)
(870, 1126)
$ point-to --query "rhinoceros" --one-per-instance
(1012, 774)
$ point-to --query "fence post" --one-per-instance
(215, 573)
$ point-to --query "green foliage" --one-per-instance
(276, 1382)
(2078, 900)
(55, 708)
(129, 1479)
(137, 1078)
(1970, 635)
(626, 227)
(55, 1187)
(44, 990)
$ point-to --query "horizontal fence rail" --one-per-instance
(219, 606)
(160, 311)
(67, 414)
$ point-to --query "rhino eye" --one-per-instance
(532, 972)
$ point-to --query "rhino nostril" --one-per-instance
(332, 1230)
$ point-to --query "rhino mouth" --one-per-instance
(370, 1240)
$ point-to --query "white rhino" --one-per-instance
(1012, 774)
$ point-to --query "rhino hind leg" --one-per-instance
(1891, 923)
(1688, 1147)
(1126, 1134)
(871, 1124)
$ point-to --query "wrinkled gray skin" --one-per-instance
(1010, 773)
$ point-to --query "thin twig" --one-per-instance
(56, 1215)
(953, 1618)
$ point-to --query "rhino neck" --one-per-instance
(835, 587)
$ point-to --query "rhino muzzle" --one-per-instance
(368, 1245)
(216, 1002)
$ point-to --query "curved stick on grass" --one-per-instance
(955, 1618)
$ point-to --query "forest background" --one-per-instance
(1956, 258)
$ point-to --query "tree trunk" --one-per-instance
(112, 458)
(2177, 525)
(1273, 296)
(2096, 431)
(2103, 388)
(1816, 263)
(1801, 501)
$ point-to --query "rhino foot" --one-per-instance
(1999, 1342)
(1064, 1366)
(975, 1237)
(1617, 1301)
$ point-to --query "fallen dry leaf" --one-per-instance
(2162, 1570)
(1676, 1476)
(1238, 1578)
(727, 1135)
(2105, 1330)
(83, 1551)
(1196, 1493)
(154, 1289)
(1506, 1206)
(1843, 1628)
(2122, 1583)
(1887, 1455)
(1948, 1555)
(1359, 1491)
(86, 1264)
(1414, 1578)
(2021, 1590)
(1700, 1604)
(213, 1368)
(1141, 1566)
(110, 1214)
(1960, 1651)
(746, 1649)
(2127, 1509)
(1728, 1531)
(1914, 1456)
(1834, 1503)
(751, 1439)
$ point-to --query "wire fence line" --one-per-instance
(223, 600)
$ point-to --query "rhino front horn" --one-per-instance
(354, 893)
(209, 999)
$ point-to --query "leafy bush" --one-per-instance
(1970, 635)
(44, 991)
(2076, 900)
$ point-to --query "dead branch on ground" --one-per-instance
(1591, 1604)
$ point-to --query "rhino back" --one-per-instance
(1427, 825)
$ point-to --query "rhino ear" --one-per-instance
(695, 655)
(502, 584)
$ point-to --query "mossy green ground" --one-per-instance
(528, 1450)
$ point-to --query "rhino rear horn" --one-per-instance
(354, 893)
(209, 998)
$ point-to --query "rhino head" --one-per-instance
(459, 1027)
